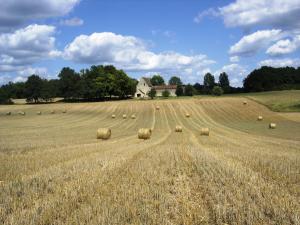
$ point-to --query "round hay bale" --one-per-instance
(187, 115)
(8, 113)
(103, 133)
(52, 112)
(113, 116)
(124, 116)
(144, 133)
(245, 102)
(39, 113)
(22, 113)
(133, 117)
(204, 131)
(178, 128)
(259, 118)
(272, 125)
(157, 107)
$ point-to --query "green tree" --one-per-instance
(217, 90)
(4, 96)
(157, 80)
(49, 90)
(175, 81)
(33, 88)
(165, 93)
(189, 90)
(209, 82)
(179, 90)
(152, 93)
(224, 82)
(69, 83)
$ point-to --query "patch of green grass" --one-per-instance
(278, 101)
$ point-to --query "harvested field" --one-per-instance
(54, 170)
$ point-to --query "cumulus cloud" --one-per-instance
(235, 72)
(16, 12)
(275, 13)
(281, 62)
(234, 59)
(129, 53)
(252, 43)
(72, 22)
(285, 46)
(26, 46)
(211, 12)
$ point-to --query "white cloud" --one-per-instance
(235, 72)
(211, 12)
(42, 71)
(16, 12)
(280, 62)
(276, 13)
(19, 79)
(26, 46)
(251, 44)
(128, 53)
(234, 59)
(285, 46)
(72, 22)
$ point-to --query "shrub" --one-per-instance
(152, 93)
(165, 93)
(218, 91)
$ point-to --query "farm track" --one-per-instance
(54, 171)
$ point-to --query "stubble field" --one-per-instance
(55, 171)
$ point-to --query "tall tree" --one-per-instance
(4, 96)
(209, 82)
(179, 90)
(70, 85)
(175, 81)
(157, 80)
(189, 90)
(33, 88)
(224, 82)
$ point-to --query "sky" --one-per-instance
(185, 38)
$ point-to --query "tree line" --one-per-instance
(271, 79)
(107, 82)
(93, 84)
(209, 86)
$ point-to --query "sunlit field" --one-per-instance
(55, 171)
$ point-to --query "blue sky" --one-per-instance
(187, 38)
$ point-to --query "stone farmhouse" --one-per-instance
(144, 86)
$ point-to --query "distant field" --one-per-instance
(279, 101)
(55, 171)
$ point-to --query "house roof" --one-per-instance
(165, 87)
(148, 81)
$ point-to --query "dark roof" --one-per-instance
(165, 87)
(148, 81)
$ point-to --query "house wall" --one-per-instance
(142, 89)
(172, 92)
